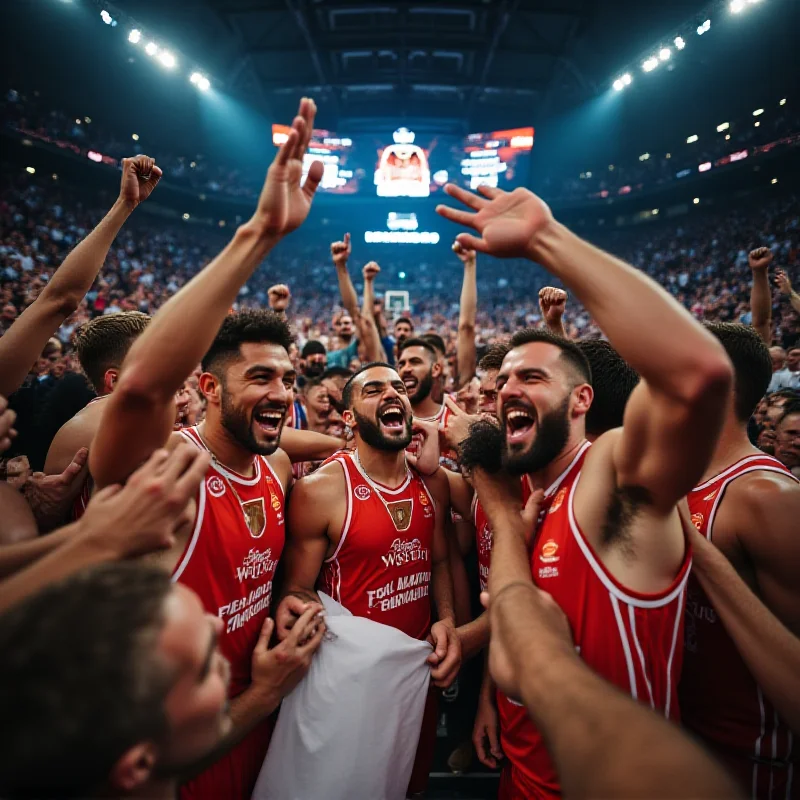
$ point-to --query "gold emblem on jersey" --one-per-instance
(400, 511)
(256, 516)
(697, 520)
(559, 499)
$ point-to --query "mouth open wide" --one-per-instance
(269, 421)
(393, 418)
(520, 424)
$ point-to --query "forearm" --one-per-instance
(557, 327)
(308, 445)
(370, 335)
(510, 562)
(474, 636)
(15, 557)
(468, 311)
(631, 309)
(347, 291)
(770, 650)
(442, 582)
(761, 305)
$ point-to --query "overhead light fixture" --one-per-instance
(758, 112)
(696, 201)
(650, 64)
(134, 37)
(200, 81)
(774, 180)
(692, 139)
(32, 171)
(727, 137)
(704, 28)
(679, 43)
(737, 6)
(619, 85)
(782, 102)
(106, 17)
(627, 79)
(723, 127)
(151, 48)
(135, 137)
(665, 54)
(654, 212)
(186, 216)
(644, 156)
(167, 59)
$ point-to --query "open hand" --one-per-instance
(140, 176)
(783, 283)
(51, 496)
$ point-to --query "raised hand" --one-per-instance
(458, 423)
(341, 251)
(506, 221)
(284, 204)
(140, 176)
(7, 418)
(371, 271)
(279, 297)
(465, 254)
(783, 283)
(760, 258)
(51, 496)
(423, 453)
(552, 303)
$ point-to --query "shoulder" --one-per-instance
(438, 485)
(72, 435)
(282, 465)
(324, 485)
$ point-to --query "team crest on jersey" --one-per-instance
(549, 554)
(697, 520)
(400, 511)
(362, 492)
(559, 499)
(402, 552)
(256, 516)
(215, 486)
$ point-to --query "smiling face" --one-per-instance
(540, 397)
(318, 407)
(380, 411)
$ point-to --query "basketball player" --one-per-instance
(747, 504)
(610, 547)
(368, 530)
(228, 555)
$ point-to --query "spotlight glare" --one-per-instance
(692, 139)
(200, 81)
(723, 127)
(679, 42)
(32, 171)
(135, 36)
(619, 85)
(167, 59)
(106, 17)
(737, 6)
(758, 125)
(697, 201)
(186, 216)
(704, 28)
(758, 112)
(665, 54)
(135, 137)
(151, 48)
(774, 180)
(783, 102)
(650, 64)
(627, 79)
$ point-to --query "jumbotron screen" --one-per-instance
(401, 163)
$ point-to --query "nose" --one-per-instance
(512, 389)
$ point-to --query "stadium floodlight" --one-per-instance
(402, 275)
(619, 85)
(167, 59)
(692, 139)
(106, 17)
(654, 212)
(135, 137)
(723, 127)
(186, 216)
(758, 112)
(665, 54)
(151, 48)
(32, 171)
(650, 64)
(783, 102)
(679, 42)
(644, 157)
(200, 81)
(758, 125)
(135, 36)
(627, 79)
(737, 6)
(774, 180)
(697, 201)
(704, 28)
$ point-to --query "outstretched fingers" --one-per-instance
(463, 196)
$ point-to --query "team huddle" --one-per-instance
(623, 468)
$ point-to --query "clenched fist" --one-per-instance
(552, 303)
(279, 297)
(341, 251)
(140, 175)
(760, 258)
(465, 254)
(371, 271)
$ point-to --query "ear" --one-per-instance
(210, 387)
(349, 419)
(134, 768)
(583, 396)
(437, 369)
(110, 380)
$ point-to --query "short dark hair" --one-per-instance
(792, 407)
(103, 343)
(783, 394)
(336, 372)
(436, 341)
(752, 364)
(418, 341)
(493, 357)
(252, 325)
(313, 348)
(613, 380)
(570, 351)
(347, 391)
(407, 320)
(83, 681)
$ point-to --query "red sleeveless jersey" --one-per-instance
(631, 639)
(483, 541)
(381, 568)
(720, 699)
(229, 562)
(448, 458)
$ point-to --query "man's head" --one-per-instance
(787, 436)
(793, 359)
(183, 399)
(9, 313)
(488, 367)
(403, 329)
(343, 325)
(248, 379)
(103, 343)
(115, 679)
(752, 365)
(543, 394)
(51, 355)
(778, 356)
(613, 380)
(377, 408)
(419, 367)
(313, 359)
(318, 405)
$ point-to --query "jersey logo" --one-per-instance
(215, 486)
(400, 511)
(549, 552)
(697, 520)
(559, 499)
(255, 516)
(712, 495)
(423, 498)
(403, 552)
(362, 492)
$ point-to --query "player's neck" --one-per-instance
(225, 449)
(386, 467)
(732, 446)
(426, 408)
(544, 478)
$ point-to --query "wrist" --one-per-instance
(545, 242)
(256, 231)
(123, 206)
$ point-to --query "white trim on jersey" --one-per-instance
(347, 517)
(198, 524)
(679, 613)
(632, 620)
(559, 480)
(739, 463)
(598, 570)
(274, 474)
(381, 488)
(234, 476)
(623, 637)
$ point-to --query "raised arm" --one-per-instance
(673, 418)
(303, 446)
(25, 339)
(138, 416)
(466, 358)
(279, 298)
(785, 286)
(552, 304)
(340, 251)
(368, 330)
(760, 295)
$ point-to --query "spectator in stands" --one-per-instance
(787, 437)
(789, 376)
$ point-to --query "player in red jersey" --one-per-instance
(610, 547)
(747, 504)
(229, 550)
(368, 530)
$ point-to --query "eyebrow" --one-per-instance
(256, 368)
(212, 648)
(372, 385)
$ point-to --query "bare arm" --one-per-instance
(309, 445)
(785, 286)
(368, 330)
(468, 311)
(341, 253)
(760, 296)
(17, 523)
(279, 298)
(138, 416)
(553, 303)
(26, 338)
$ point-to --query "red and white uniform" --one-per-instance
(633, 640)
(381, 568)
(720, 700)
(483, 542)
(230, 561)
